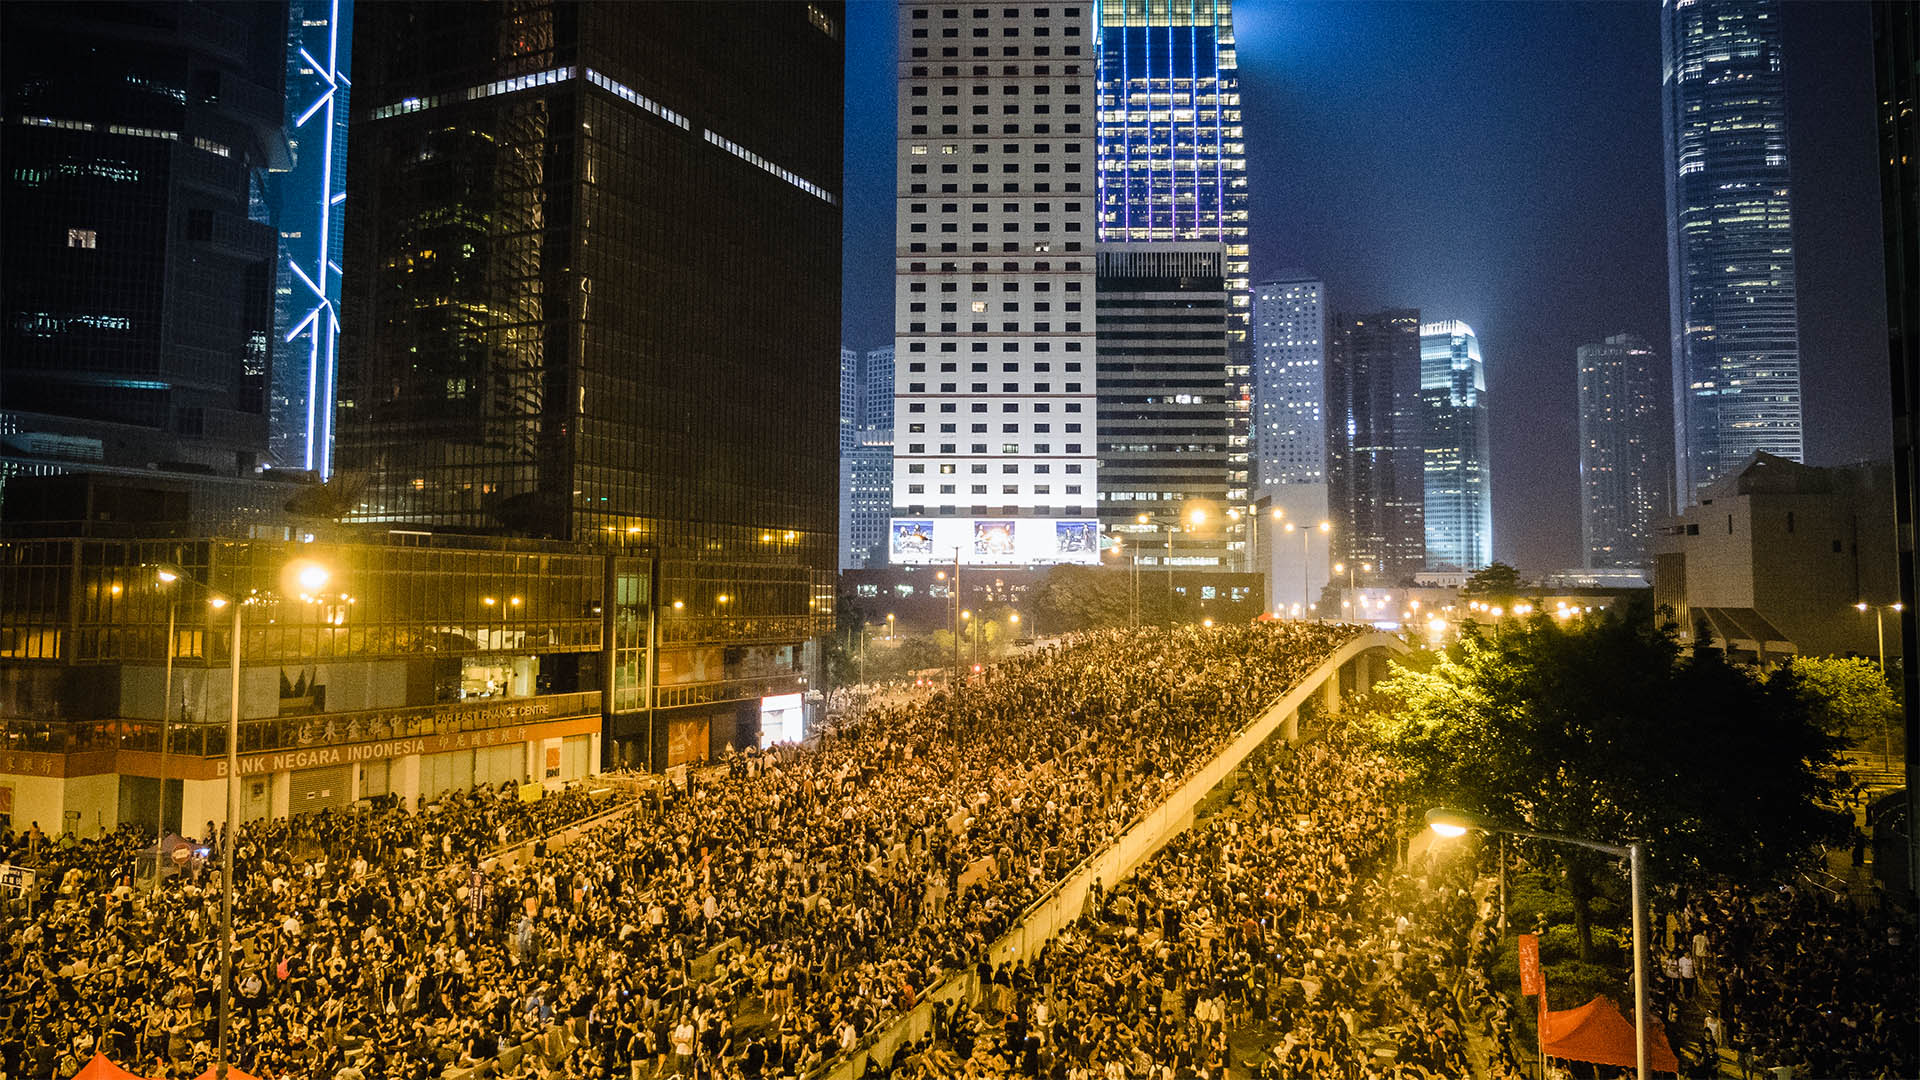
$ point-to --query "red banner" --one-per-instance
(1530, 980)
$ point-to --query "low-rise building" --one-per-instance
(1778, 557)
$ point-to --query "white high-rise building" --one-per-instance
(994, 452)
(1290, 437)
(1289, 395)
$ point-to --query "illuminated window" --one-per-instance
(82, 238)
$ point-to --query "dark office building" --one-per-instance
(135, 265)
(1376, 493)
(596, 298)
(1896, 64)
(1163, 419)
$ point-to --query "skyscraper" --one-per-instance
(876, 395)
(994, 457)
(598, 300)
(866, 464)
(1736, 336)
(1376, 483)
(1172, 163)
(1162, 420)
(137, 267)
(1454, 448)
(1290, 431)
(1173, 169)
(1623, 461)
(1289, 355)
(851, 399)
(310, 212)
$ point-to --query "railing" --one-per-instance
(209, 738)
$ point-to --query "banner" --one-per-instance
(1530, 978)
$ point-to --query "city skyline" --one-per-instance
(1572, 230)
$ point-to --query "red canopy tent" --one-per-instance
(99, 1068)
(1597, 1032)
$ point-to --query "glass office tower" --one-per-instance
(1376, 491)
(1623, 456)
(1455, 452)
(311, 216)
(1173, 167)
(1736, 330)
(135, 262)
(597, 298)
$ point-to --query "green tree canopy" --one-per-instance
(1494, 580)
(1847, 695)
(1604, 729)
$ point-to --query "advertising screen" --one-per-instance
(994, 541)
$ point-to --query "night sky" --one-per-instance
(1498, 163)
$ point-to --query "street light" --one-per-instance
(889, 626)
(1880, 626)
(305, 577)
(1188, 522)
(166, 575)
(1305, 534)
(1456, 823)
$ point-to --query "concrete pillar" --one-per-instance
(404, 779)
(201, 801)
(1290, 727)
(1363, 673)
(1332, 688)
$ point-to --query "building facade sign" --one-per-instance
(316, 757)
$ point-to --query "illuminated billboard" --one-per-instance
(993, 541)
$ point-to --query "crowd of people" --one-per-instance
(761, 922)
(1276, 938)
(107, 962)
(1803, 980)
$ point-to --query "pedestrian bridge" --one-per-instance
(1352, 669)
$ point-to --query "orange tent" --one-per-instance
(99, 1068)
(1597, 1032)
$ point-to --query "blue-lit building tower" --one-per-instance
(1173, 168)
(311, 201)
(1736, 331)
(1455, 450)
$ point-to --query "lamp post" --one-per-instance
(1192, 520)
(889, 626)
(309, 577)
(1305, 534)
(1880, 626)
(166, 575)
(1454, 823)
(1880, 638)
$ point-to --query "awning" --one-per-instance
(1597, 1032)
(1746, 629)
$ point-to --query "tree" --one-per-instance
(1086, 597)
(1604, 729)
(1850, 696)
(1496, 581)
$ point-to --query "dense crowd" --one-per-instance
(1276, 937)
(1805, 981)
(108, 963)
(760, 923)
